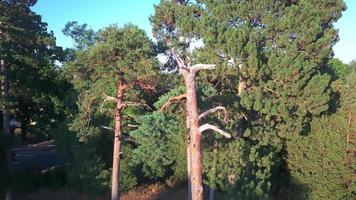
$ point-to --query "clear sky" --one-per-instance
(98, 14)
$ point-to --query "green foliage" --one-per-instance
(339, 69)
(36, 87)
(161, 146)
(348, 99)
(317, 162)
(100, 60)
(82, 36)
(348, 105)
(280, 51)
(165, 97)
(31, 180)
(240, 170)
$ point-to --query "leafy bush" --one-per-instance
(317, 162)
(242, 171)
(161, 147)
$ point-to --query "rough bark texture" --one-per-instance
(195, 137)
(188, 154)
(115, 186)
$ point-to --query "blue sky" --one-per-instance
(98, 14)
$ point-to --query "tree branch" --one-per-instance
(106, 99)
(132, 125)
(180, 62)
(198, 67)
(107, 128)
(214, 128)
(222, 108)
(135, 104)
(170, 100)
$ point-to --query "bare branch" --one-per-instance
(107, 128)
(135, 104)
(106, 99)
(170, 100)
(222, 108)
(214, 128)
(109, 98)
(180, 62)
(132, 125)
(198, 67)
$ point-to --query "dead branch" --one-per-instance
(222, 108)
(180, 61)
(132, 125)
(106, 99)
(170, 100)
(135, 104)
(214, 128)
(107, 128)
(197, 67)
(109, 98)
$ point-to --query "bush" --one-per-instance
(317, 162)
(161, 147)
(243, 171)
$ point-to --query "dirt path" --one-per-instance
(36, 157)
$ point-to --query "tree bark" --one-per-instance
(188, 151)
(115, 185)
(6, 125)
(195, 137)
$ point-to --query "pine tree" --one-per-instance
(117, 67)
(274, 51)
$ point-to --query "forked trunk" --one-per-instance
(195, 138)
(115, 185)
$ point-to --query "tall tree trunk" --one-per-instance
(115, 186)
(188, 154)
(6, 125)
(195, 137)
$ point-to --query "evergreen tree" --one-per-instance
(317, 162)
(274, 51)
(119, 59)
